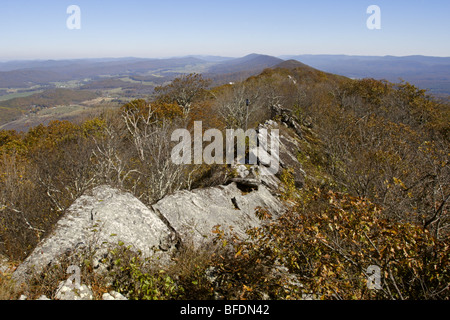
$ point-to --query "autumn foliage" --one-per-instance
(376, 192)
(327, 242)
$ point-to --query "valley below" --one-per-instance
(70, 89)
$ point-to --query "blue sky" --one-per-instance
(109, 28)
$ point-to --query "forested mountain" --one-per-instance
(363, 182)
(431, 73)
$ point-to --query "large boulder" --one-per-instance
(195, 214)
(104, 216)
(107, 216)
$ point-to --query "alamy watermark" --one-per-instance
(374, 277)
(74, 281)
(374, 21)
(250, 147)
(73, 22)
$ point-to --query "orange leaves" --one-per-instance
(342, 235)
(138, 105)
(369, 89)
(168, 111)
(156, 111)
(93, 127)
(183, 91)
(204, 111)
(399, 183)
(10, 142)
(48, 137)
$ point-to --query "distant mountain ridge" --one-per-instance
(431, 73)
(250, 62)
(52, 71)
(19, 74)
(426, 72)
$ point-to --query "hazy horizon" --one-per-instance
(200, 55)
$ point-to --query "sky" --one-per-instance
(37, 29)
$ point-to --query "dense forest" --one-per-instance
(376, 190)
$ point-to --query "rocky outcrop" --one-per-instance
(106, 216)
(289, 147)
(194, 214)
(113, 296)
(287, 118)
(67, 291)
